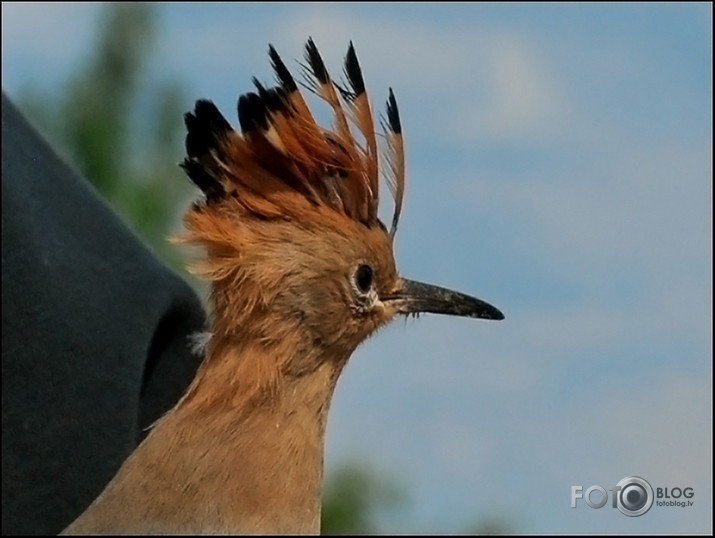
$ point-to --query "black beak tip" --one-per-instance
(493, 313)
(418, 297)
(486, 311)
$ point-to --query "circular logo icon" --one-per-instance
(635, 496)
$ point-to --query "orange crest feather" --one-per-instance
(283, 160)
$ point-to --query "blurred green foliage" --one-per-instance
(354, 497)
(125, 139)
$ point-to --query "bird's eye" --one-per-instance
(363, 278)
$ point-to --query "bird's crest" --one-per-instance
(283, 162)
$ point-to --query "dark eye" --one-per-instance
(363, 278)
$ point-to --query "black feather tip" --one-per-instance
(208, 184)
(252, 112)
(353, 72)
(274, 99)
(393, 115)
(206, 126)
(315, 62)
(284, 77)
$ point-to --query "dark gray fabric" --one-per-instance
(94, 336)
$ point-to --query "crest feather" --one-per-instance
(395, 158)
(282, 162)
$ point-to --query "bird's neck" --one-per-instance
(241, 452)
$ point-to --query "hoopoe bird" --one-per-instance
(301, 272)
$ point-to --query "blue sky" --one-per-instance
(560, 167)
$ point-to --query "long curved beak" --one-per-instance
(415, 297)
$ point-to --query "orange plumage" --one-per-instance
(284, 158)
(301, 272)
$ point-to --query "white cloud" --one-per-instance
(522, 99)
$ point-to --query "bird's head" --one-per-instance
(295, 250)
